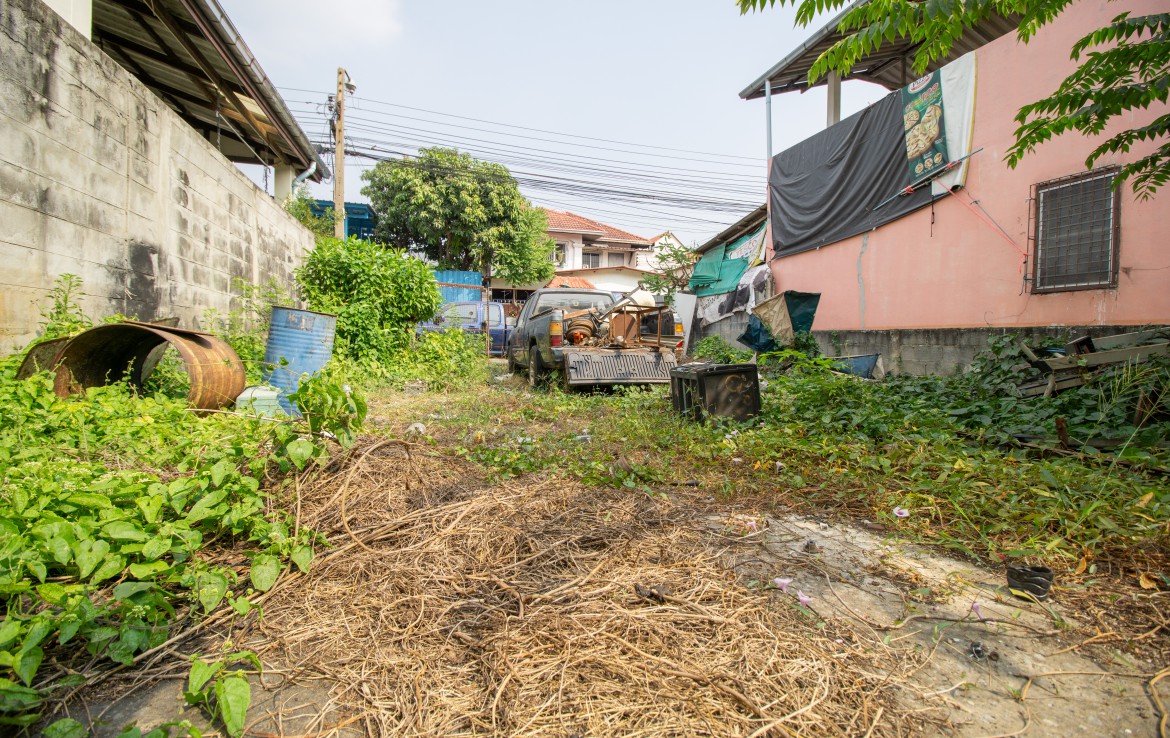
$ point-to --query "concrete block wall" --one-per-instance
(729, 329)
(944, 351)
(99, 178)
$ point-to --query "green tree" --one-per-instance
(673, 267)
(300, 206)
(1128, 68)
(462, 213)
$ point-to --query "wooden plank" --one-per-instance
(1123, 340)
(1098, 358)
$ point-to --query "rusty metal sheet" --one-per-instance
(40, 357)
(618, 366)
(110, 353)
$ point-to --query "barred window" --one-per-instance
(590, 261)
(1077, 230)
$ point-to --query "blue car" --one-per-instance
(468, 316)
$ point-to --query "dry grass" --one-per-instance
(449, 608)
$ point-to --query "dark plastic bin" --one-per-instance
(701, 390)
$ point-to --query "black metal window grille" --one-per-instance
(1077, 228)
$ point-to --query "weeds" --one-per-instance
(107, 503)
(934, 450)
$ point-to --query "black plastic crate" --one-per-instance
(726, 390)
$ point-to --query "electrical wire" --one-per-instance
(537, 181)
(527, 128)
(362, 124)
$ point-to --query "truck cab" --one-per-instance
(469, 317)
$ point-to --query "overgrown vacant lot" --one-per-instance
(496, 560)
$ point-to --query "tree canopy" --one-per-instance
(1127, 68)
(462, 213)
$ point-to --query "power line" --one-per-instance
(527, 128)
(586, 174)
(375, 126)
(559, 184)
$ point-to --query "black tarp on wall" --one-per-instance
(825, 188)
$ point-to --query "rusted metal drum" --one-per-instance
(40, 357)
(110, 353)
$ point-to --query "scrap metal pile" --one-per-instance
(1080, 360)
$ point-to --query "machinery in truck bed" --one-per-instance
(593, 339)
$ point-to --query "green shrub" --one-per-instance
(378, 294)
(716, 349)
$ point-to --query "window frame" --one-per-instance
(585, 254)
(1115, 231)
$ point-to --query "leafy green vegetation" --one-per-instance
(377, 294)
(716, 349)
(108, 503)
(63, 316)
(300, 206)
(461, 213)
(222, 691)
(827, 442)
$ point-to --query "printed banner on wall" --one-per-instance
(922, 118)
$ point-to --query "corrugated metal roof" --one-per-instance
(746, 224)
(889, 66)
(190, 55)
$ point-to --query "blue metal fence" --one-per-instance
(473, 280)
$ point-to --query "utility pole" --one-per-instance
(343, 85)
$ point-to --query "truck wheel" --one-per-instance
(534, 369)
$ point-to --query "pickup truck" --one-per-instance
(593, 339)
(468, 316)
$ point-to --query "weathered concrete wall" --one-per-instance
(943, 351)
(99, 178)
(729, 329)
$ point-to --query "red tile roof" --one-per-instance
(574, 282)
(558, 221)
(566, 221)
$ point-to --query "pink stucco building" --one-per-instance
(1045, 248)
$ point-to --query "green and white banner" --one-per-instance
(925, 129)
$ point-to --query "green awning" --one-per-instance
(716, 273)
(730, 272)
(707, 270)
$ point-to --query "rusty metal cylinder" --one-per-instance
(120, 351)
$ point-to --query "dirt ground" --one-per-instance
(447, 604)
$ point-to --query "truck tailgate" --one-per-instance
(618, 366)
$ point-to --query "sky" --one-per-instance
(635, 105)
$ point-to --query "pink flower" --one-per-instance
(901, 512)
(751, 525)
(782, 584)
(802, 598)
(975, 609)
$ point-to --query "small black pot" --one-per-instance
(1034, 580)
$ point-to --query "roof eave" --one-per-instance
(736, 229)
(212, 19)
(756, 88)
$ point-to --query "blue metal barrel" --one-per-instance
(299, 342)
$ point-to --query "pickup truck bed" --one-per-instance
(546, 338)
